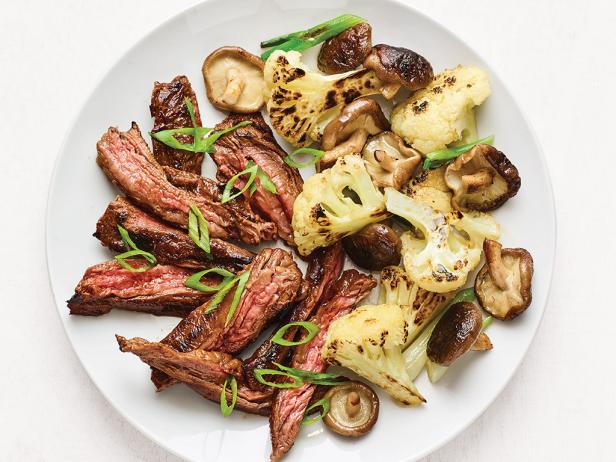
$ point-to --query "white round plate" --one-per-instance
(181, 420)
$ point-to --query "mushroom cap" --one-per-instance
(374, 247)
(511, 269)
(361, 114)
(389, 161)
(482, 179)
(347, 50)
(455, 333)
(400, 66)
(364, 411)
(249, 68)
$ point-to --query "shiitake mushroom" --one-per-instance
(347, 50)
(354, 409)
(373, 247)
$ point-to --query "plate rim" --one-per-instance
(467, 421)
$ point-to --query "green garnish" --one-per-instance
(316, 155)
(259, 373)
(222, 289)
(241, 284)
(486, 323)
(203, 137)
(198, 230)
(311, 327)
(323, 404)
(436, 159)
(225, 408)
(304, 39)
(253, 171)
(464, 295)
(314, 378)
(194, 281)
(133, 251)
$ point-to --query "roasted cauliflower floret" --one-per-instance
(369, 342)
(419, 305)
(429, 187)
(335, 203)
(300, 102)
(442, 113)
(450, 246)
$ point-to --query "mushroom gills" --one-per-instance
(353, 409)
(389, 161)
(503, 285)
(234, 80)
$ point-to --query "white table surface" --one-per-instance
(558, 58)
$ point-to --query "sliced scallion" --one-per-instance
(486, 323)
(315, 378)
(304, 39)
(133, 251)
(323, 404)
(253, 171)
(194, 281)
(259, 373)
(198, 229)
(436, 159)
(219, 296)
(315, 154)
(203, 137)
(310, 327)
(225, 408)
(241, 284)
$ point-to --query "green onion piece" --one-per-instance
(203, 137)
(486, 323)
(265, 181)
(151, 260)
(133, 251)
(128, 242)
(213, 303)
(311, 327)
(323, 404)
(191, 111)
(242, 279)
(302, 40)
(253, 171)
(315, 378)
(207, 144)
(259, 373)
(225, 408)
(436, 159)
(464, 295)
(198, 230)
(316, 155)
(194, 281)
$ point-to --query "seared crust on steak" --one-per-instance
(256, 142)
(127, 161)
(203, 371)
(324, 267)
(273, 284)
(169, 111)
(170, 246)
(159, 291)
(290, 404)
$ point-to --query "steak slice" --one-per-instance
(126, 160)
(256, 142)
(212, 191)
(168, 109)
(273, 284)
(324, 267)
(203, 371)
(159, 291)
(290, 404)
(169, 245)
